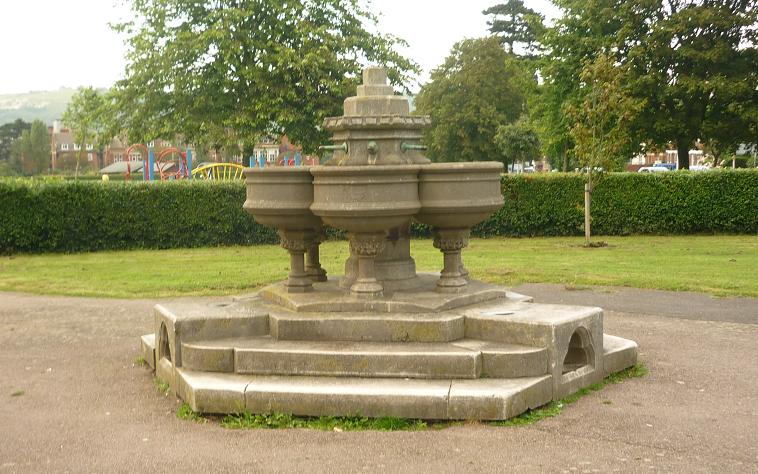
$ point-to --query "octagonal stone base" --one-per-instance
(483, 353)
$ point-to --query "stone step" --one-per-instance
(398, 327)
(618, 354)
(484, 399)
(463, 359)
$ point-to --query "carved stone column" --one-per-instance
(313, 262)
(366, 247)
(297, 243)
(451, 242)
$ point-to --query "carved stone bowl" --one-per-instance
(280, 197)
(365, 199)
(459, 195)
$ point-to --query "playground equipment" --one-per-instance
(219, 171)
(184, 164)
(129, 161)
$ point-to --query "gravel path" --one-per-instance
(73, 401)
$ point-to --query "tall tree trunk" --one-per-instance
(683, 154)
(565, 159)
(587, 215)
(78, 160)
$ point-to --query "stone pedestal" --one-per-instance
(479, 353)
(451, 242)
(297, 243)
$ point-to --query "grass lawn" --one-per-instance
(720, 265)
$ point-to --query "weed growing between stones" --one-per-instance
(247, 420)
(186, 412)
(162, 386)
(140, 361)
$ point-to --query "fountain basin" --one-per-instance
(459, 195)
(365, 199)
(280, 197)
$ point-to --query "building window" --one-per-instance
(119, 158)
(135, 156)
(90, 146)
(151, 144)
(76, 147)
(64, 146)
(272, 157)
(89, 157)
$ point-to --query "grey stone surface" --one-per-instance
(356, 359)
(552, 326)
(497, 399)
(493, 399)
(343, 396)
(208, 356)
(503, 360)
(329, 297)
(212, 393)
(618, 354)
(461, 359)
(347, 326)
(147, 346)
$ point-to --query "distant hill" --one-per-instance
(43, 105)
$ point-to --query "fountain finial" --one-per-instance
(375, 83)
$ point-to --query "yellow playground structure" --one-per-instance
(219, 171)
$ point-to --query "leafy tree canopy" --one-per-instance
(518, 142)
(601, 121)
(89, 115)
(227, 71)
(10, 132)
(474, 92)
(694, 63)
(30, 153)
(515, 24)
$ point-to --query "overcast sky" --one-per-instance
(47, 44)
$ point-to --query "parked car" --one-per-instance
(669, 166)
(653, 169)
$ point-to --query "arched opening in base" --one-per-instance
(580, 352)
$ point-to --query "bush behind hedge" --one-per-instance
(58, 216)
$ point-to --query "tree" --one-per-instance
(514, 23)
(693, 62)
(229, 71)
(30, 153)
(9, 133)
(474, 92)
(518, 142)
(87, 117)
(601, 124)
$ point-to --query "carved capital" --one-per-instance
(451, 241)
(296, 241)
(367, 245)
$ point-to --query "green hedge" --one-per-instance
(56, 216)
(720, 201)
(82, 216)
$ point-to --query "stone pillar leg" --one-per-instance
(464, 272)
(366, 247)
(313, 263)
(451, 242)
(297, 243)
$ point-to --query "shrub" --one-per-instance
(66, 216)
(721, 201)
(83, 216)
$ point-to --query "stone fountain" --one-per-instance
(382, 340)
